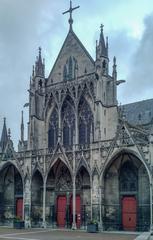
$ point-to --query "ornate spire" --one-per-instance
(101, 40)
(39, 65)
(22, 127)
(114, 74)
(4, 136)
(71, 9)
(102, 46)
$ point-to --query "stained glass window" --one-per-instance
(53, 129)
(85, 122)
(128, 178)
(68, 122)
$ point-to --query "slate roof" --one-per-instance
(139, 113)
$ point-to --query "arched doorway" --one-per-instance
(58, 194)
(11, 195)
(37, 199)
(83, 190)
(126, 194)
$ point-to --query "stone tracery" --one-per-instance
(53, 128)
(85, 122)
(68, 122)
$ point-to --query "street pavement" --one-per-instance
(37, 234)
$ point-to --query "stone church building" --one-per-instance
(85, 158)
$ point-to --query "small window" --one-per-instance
(105, 131)
(139, 116)
(104, 64)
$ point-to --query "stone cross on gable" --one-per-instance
(71, 9)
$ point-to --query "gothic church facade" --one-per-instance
(85, 158)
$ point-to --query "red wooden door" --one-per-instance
(129, 212)
(19, 208)
(78, 210)
(61, 211)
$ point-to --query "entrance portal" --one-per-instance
(129, 213)
(126, 194)
(61, 211)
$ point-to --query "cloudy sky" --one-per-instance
(26, 25)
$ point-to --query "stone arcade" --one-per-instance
(85, 157)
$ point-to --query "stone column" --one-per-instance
(74, 191)
(100, 206)
(27, 202)
(74, 203)
(91, 190)
(76, 129)
(44, 204)
(151, 207)
(59, 126)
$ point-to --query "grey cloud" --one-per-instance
(24, 26)
(140, 78)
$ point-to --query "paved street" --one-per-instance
(35, 234)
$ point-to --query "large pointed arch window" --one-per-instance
(53, 129)
(128, 178)
(68, 122)
(85, 122)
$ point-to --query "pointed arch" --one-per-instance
(16, 170)
(36, 197)
(125, 175)
(11, 192)
(117, 153)
(68, 121)
(86, 122)
(62, 175)
(83, 163)
(37, 169)
(53, 128)
(9, 163)
(63, 161)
